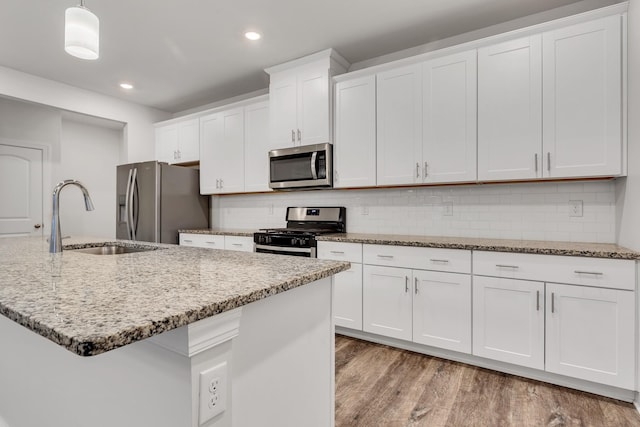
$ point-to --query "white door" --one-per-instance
(210, 130)
(508, 320)
(313, 107)
(189, 141)
(442, 310)
(283, 110)
(510, 110)
(590, 334)
(583, 99)
(256, 147)
(229, 159)
(20, 191)
(386, 301)
(449, 118)
(347, 297)
(399, 120)
(354, 149)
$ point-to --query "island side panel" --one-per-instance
(283, 360)
(43, 384)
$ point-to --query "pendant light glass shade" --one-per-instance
(81, 33)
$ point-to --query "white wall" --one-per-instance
(138, 134)
(538, 211)
(89, 154)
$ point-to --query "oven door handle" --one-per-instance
(314, 172)
(284, 249)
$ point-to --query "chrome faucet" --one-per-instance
(55, 242)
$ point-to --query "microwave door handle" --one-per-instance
(314, 173)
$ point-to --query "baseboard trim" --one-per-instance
(535, 374)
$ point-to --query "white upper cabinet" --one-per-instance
(256, 147)
(222, 160)
(510, 110)
(354, 148)
(449, 118)
(399, 120)
(300, 99)
(582, 99)
(178, 142)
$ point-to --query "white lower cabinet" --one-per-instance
(442, 310)
(387, 302)
(214, 241)
(590, 334)
(347, 294)
(508, 320)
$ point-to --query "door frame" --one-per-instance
(46, 175)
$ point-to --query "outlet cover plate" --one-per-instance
(213, 392)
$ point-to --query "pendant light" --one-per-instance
(81, 32)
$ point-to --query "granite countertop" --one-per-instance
(91, 304)
(597, 250)
(221, 231)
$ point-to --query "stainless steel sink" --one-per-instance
(114, 249)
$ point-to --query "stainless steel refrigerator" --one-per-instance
(156, 199)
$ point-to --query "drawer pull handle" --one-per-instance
(386, 256)
(537, 300)
(444, 261)
(188, 241)
(237, 244)
(553, 303)
(507, 266)
(210, 243)
(337, 252)
(595, 273)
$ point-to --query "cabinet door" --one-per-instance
(166, 143)
(582, 99)
(386, 301)
(347, 298)
(449, 118)
(442, 310)
(354, 149)
(313, 107)
(283, 100)
(210, 131)
(256, 147)
(510, 110)
(189, 141)
(399, 119)
(508, 320)
(229, 159)
(590, 334)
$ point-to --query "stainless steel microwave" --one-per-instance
(307, 166)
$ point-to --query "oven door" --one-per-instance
(283, 250)
(306, 166)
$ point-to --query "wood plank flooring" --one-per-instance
(377, 385)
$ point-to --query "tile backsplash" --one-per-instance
(532, 211)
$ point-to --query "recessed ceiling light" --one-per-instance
(126, 86)
(252, 35)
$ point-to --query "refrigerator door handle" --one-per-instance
(132, 214)
(127, 204)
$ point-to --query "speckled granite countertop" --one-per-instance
(91, 304)
(597, 250)
(221, 231)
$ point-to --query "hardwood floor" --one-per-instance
(377, 385)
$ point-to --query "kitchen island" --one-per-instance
(106, 340)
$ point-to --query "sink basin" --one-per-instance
(114, 249)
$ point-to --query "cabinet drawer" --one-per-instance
(202, 240)
(451, 260)
(586, 271)
(340, 251)
(238, 243)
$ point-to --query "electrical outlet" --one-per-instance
(575, 207)
(365, 210)
(213, 388)
(448, 208)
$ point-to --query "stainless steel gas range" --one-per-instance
(299, 236)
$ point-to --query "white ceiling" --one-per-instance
(180, 54)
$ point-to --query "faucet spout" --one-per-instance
(55, 242)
